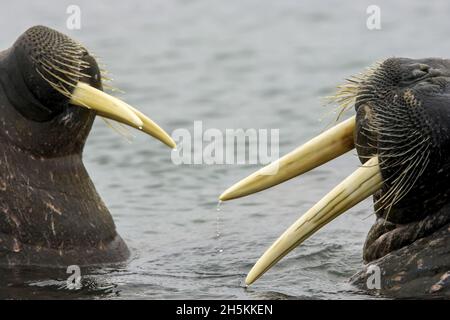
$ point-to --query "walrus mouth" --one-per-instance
(59, 73)
(400, 132)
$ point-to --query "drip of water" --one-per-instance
(218, 222)
(218, 219)
(179, 147)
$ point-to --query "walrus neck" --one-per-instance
(385, 237)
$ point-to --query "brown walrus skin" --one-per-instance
(50, 212)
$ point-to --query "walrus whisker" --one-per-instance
(398, 191)
(119, 129)
(411, 185)
(412, 142)
(69, 66)
(58, 77)
(70, 59)
(74, 74)
(59, 87)
(113, 89)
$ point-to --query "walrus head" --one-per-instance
(50, 92)
(56, 86)
(401, 132)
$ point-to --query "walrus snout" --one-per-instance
(40, 71)
(51, 64)
(402, 115)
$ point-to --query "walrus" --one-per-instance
(401, 132)
(50, 212)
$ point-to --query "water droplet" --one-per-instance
(218, 220)
(16, 245)
(218, 208)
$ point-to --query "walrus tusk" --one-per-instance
(319, 150)
(86, 96)
(112, 108)
(153, 129)
(361, 184)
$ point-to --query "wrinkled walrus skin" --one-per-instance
(419, 269)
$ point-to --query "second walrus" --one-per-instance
(401, 132)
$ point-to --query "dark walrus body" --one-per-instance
(50, 212)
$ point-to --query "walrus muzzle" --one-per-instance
(401, 132)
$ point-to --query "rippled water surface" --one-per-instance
(231, 64)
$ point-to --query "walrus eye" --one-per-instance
(418, 71)
(59, 73)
